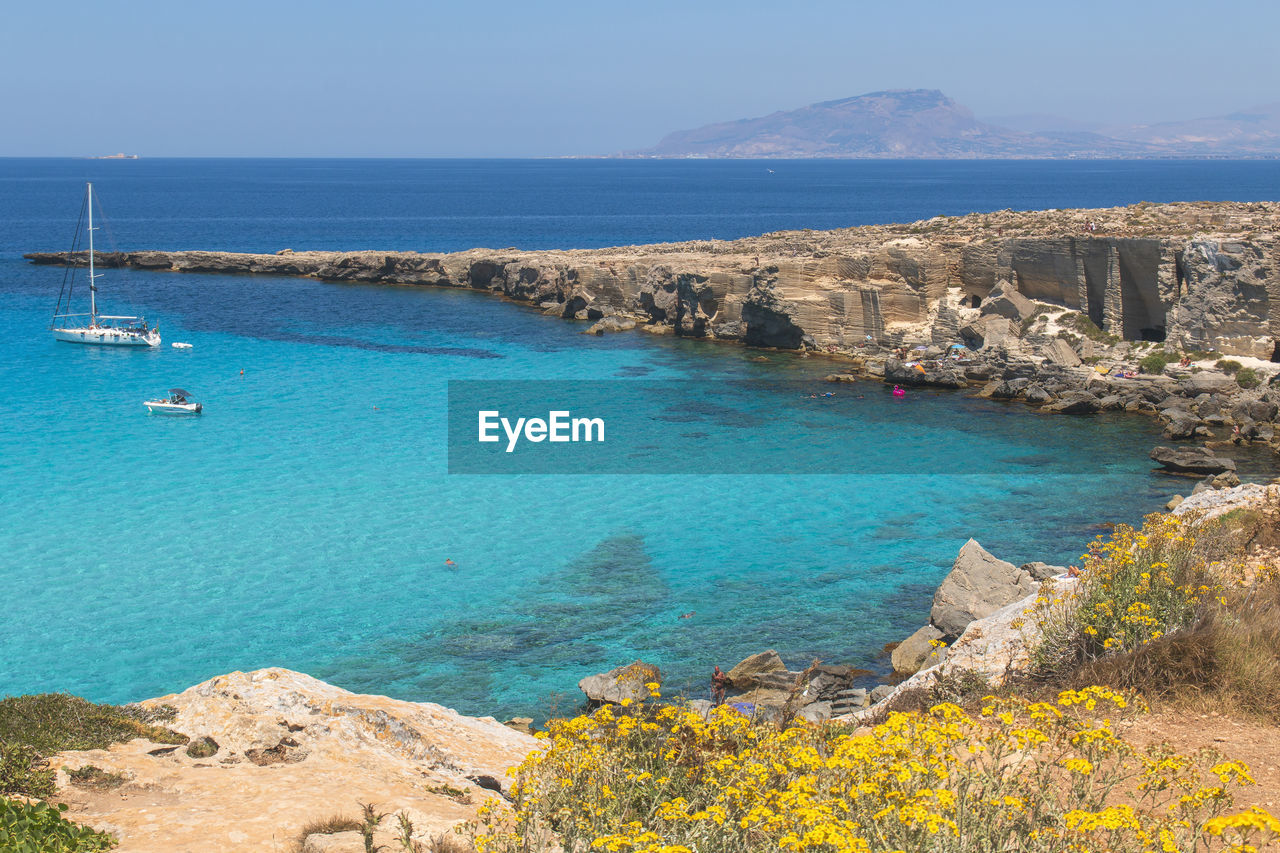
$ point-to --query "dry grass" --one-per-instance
(449, 842)
(326, 826)
(1229, 663)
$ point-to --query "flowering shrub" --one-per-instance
(1136, 587)
(1045, 776)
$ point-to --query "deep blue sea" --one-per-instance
(305, 519)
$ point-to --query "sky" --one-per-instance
(490, 78)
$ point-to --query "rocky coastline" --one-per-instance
(1171, 310)
(975, 626)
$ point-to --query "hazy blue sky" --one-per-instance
(385, 77)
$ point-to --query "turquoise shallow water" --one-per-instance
(294, 524)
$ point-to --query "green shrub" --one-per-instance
(41, 828)
(1154, 363)
(1247, 377)
(52, 722)
(1030, 320)
(21, 771)
(90, 776)
(1082, 324)
(1227, 365)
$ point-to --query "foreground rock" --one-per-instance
(978, 585)
(624, 683)
(994, 647)
(911, 655)
(285, 749)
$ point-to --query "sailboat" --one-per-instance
(95, 328)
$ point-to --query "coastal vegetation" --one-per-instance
(1169, 611)
(90, 776)
(1228, 366)
(1247, 377)
(1011, 774)
(1085, 326)
(1154, 363)
(324, 826)
(1174, 612)
(33, 728)
(41, 828)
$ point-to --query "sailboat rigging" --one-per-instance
(101, 329)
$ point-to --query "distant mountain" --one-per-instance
(925, 123)
(1254, 132)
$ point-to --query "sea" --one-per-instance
(310, 518)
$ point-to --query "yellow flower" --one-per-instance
(1229, 770)
(1255, 819)
(1078, 765)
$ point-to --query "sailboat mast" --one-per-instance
(93, 288)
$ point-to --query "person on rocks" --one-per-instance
(719, 681)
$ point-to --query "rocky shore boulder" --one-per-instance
(1005, 301)
(1035, 395)
(1059, 352)
(1191, 460)
(1207, 383)
(612, 323)
(994, 647)
(912, 653)
(1042, 571)
(979, 584)
(1073, 403)
(1184, 425)
(935, 374)
(987, 332)
(747, 673)
(625, 682)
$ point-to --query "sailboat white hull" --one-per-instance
(108, 336)
(112, 330)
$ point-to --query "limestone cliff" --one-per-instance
(289, 750)
(1200, 275)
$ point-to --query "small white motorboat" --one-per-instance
(178, 403)
(180, 345)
